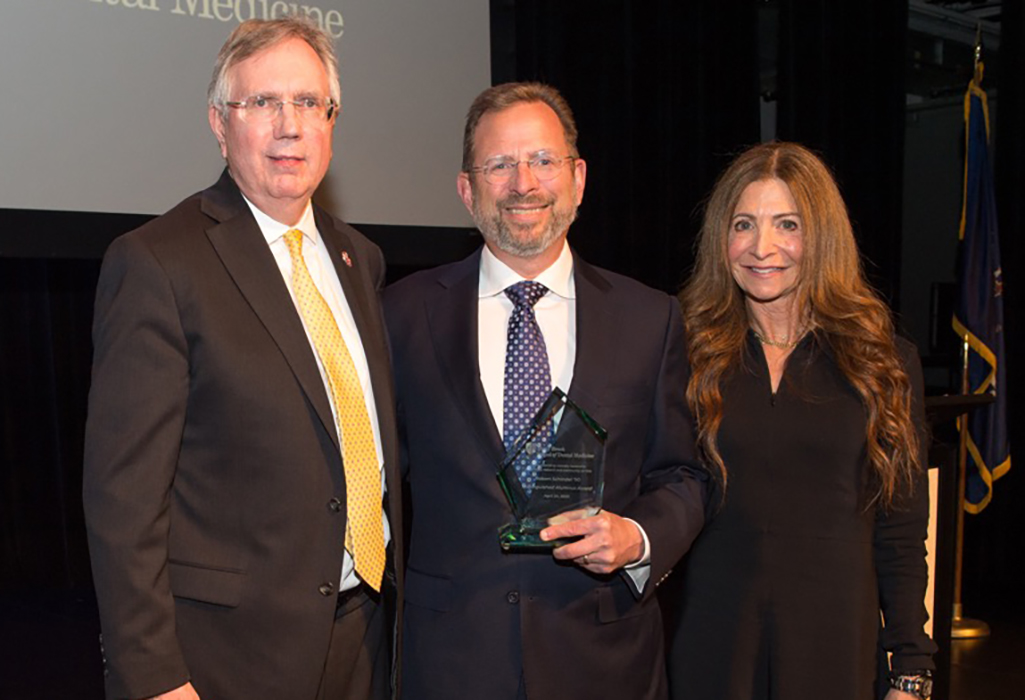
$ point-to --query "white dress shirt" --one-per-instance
(325, 278)
(556, 314)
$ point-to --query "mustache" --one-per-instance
(525, 199)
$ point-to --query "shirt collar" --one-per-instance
(495, 275)
(272, 229)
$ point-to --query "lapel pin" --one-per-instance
(346, 259)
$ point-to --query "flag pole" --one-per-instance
(963, 627)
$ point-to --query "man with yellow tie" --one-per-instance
(241, 483)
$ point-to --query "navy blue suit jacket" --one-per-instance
(478, 620)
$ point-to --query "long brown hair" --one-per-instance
(832, 294)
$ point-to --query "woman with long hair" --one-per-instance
(809, 411)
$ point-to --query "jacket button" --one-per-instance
(512, 597)
(326, 589)
(335, 505)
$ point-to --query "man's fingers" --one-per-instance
(575, 550)
(579, 527)
(569, 516)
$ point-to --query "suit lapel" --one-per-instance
(248, 260)
(595, 332)
(452, 316)
(349, 270)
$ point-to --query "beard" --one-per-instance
(523, 241)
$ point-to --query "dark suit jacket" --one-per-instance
(477, 619)
(212, 462)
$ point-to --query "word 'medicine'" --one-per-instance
(240, 10)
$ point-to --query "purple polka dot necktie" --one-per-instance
(528, 377)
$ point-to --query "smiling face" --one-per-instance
(766, 243)
(523, 219)
(278, 163)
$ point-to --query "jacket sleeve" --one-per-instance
(899, 550)
(137, 406)
(674, 485)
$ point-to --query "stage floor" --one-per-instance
(49, 650)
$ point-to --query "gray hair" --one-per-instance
(256, 35)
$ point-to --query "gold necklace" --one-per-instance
(781, 344)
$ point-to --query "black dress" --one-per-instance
(782, 592)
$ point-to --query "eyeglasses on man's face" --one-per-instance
(264, 108)
(500, 169)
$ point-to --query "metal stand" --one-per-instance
(966, 627)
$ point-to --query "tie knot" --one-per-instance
(294, 242)
(526, 293)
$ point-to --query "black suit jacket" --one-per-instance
(476, 619)
(212, 459)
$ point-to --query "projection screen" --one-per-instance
(104, 102)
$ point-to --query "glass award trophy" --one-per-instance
(555, 467)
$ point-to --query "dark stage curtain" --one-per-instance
(664, 93)
(49, 264)
(841, 93)
(45, 355)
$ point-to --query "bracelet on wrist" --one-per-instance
(917, 683)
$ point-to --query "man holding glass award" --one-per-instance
(546, 441)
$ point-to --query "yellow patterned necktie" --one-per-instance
(364, 535)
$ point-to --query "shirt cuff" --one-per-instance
(640, 571)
